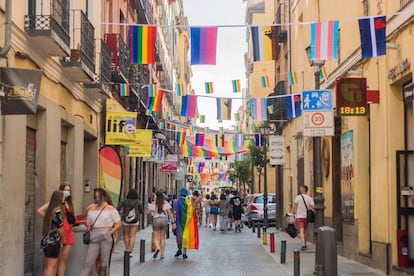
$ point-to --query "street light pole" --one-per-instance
(264, 129)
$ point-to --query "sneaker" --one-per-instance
(131, 255)
(185, 256)
(179, 253)
(303, 248)
(156, 254)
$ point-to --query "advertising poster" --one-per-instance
(143, 144)
(170, 163)
(120, 128)
(347, 175)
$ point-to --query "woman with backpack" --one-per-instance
(130, 209)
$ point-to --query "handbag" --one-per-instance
(310, 214)
(87, 234)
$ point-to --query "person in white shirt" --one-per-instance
(299, 209)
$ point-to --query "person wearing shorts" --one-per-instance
(300, 210)
(159, 209)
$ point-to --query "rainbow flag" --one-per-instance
(264, 81)
(189, 106)
(180, 91)
(187, 228)
(236, 117)
(142, 44)
(203, 45)
(221, 130)
(124, 89)
(166, 115)
(148, 112)
(323, 72)
(270, 109)
(209, 87)
(236, 86)
(206, 129)
(161, 125)
(202, 119)
(293, 78)
(154, 103)
(180, 137)
(151, 90)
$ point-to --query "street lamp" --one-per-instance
(265, 130)
(317, 164)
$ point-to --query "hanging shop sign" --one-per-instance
(170, 163)
(351, 96)
(276, 150)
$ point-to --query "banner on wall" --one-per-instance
(157, 152)
(120, 128)
(170, 163)
(143, 144)
(19, 90)
(347, 175)
(110, 167)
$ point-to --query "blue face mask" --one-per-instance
(66, 194)
(98, 200)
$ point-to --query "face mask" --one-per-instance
(98, 200)
(66, 194)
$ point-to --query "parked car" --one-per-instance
(254, 207)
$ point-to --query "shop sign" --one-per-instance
(399, 69)
(351, 96)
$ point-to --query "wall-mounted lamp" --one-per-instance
(393, 46)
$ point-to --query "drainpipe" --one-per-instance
(7, 34)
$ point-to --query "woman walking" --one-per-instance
(130, 209)
(223, 212)
(68, 221)
(53, 236)
(206, 206)
(214, 210)
(159, 209)
(103, 222)
(197, 203)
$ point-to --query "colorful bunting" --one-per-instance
(236, 86)
(189, 106)
(203, 45)
(148, 112)
(180, 137)
(199, 139)
(324, 40)
(323, 72)
(270, 109)
(223, 109)
(180, 91)
(124, 89)
(236, 117)
(161, 125)
(258, 109)
(154, 103)
(142, 44)
(373, 36)
(202, 119)
(262, 43)
(258, 140)
(265, 81)
(293, 78)
(151, 90)
(293, 106)
(209, 87)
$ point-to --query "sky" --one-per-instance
(231, 47)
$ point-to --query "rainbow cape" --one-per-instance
(187, 228)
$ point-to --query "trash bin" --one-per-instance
(77, 254)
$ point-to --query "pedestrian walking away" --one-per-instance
(236, 204)
(224, 209)
(197, 203)
(214, 210)
(206, 207)
(300, 207)
(69, 220)
(130, 210)
(160, 209)
(53, 237)
(187, 227)
(103, 221)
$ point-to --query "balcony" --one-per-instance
(145, 12)
(278, 103)
(50, 33)
(103, 71)
(120, 57)
(80, 66)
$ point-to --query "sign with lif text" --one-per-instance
(120, 128)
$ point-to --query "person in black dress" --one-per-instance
(237, 204)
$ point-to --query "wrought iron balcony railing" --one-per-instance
(120, 53)
(87, 43)
(106, 64)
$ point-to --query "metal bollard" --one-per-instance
(272, 242)
(126, 262)
(253, 227)
(283, 252)
(167, 234)
(258, 230)
(264, 236)
(249, 222)
(142, 251)
(327, 258)
(152, 242)
(296, 263)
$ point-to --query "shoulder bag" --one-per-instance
(87, 234)
(310, 214)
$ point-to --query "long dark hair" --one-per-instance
(104, 195)
(132, 194)
(159, 202)
(55, 203)
(69, 199)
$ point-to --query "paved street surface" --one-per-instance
(227, 254)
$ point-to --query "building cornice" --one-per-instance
(52, 68)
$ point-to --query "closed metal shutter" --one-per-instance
(29, 210)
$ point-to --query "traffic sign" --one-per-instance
(318, 123)
(313, 100)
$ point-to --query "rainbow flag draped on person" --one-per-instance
(187, 228)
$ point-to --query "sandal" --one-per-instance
(156, 253)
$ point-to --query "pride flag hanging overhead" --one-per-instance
(293, 78)
(142, 44)
(293, 106)
(223, 109)
(324, 40)
(151, 90)
(262, 43)
(258, 108)
(264, 81)
(209, 87)
(373, 36)
(180, 90)
(203, 45)
(124, 89)
(202, 119)
(154, 103)
(189, 106)
(236, 86)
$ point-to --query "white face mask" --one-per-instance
(66, 194)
